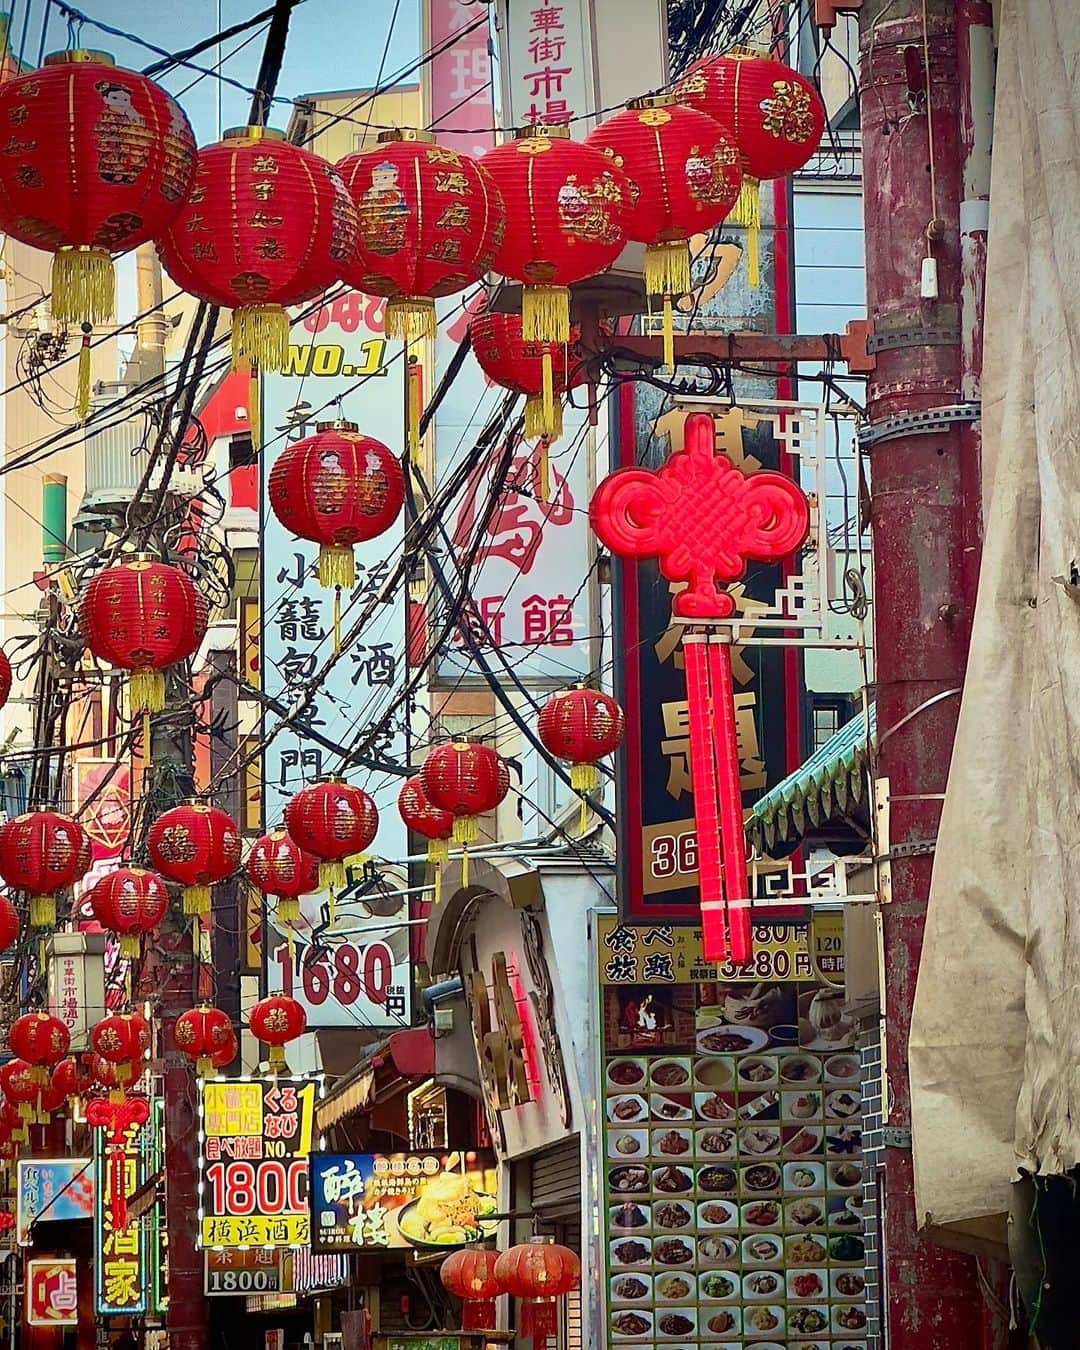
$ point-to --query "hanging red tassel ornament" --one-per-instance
(507, 359)
(194, 845)
(275, 1021)
(143, 616)
(129, 902)
(333, 821)
(9, 923)
(539, 1273)
(267, 224)
(435, 825)
(202, 1033)
(118, 1118)
(122, 1040)
(278, 866)
(469, 1274)
(685, 173)
(97, 160)
(581, 726)
(774, 114)
(467, 780)
(337, 488)
(430, 220)
(42, 853)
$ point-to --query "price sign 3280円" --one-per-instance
(253, 1165)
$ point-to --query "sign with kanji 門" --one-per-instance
(124, 1258)
(52, 1292)
(253, 1166)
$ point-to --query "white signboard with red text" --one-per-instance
(546, 50)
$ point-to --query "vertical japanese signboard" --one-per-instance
(253, 1166)
(732, 1166)
(547, 58)
(122, 1256)
(337, 369)
(48, 1190)
(459, 80)
(52, 1292)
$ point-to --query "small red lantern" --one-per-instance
(430, 219)
(194, 845)
(685, 174)
(334, 821)
(122, 1040)
(9, 922)
(129, 902)
(41, 1039)
(469, 1274)
(267, 224)
(18, 1086)
(505, 357)
(143, 615)
(43, 852)
(5, 677)
(775, 115)
(275, 1021)
(539, 1273)
(337, 488)
(278, 866)
(467, 780)
(224, 1055)
(435, 825)
(73, 1077)
(201, 1033)
(581, 726)
(103, 1074)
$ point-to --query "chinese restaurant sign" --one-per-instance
(337, 352)
(252, 1270)
(123, 1276)
(52, 1292)
(732, 1148)
(365, 1201)
(253, 1167)
(658, 838)
(51, 1189)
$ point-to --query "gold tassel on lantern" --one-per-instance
(543, 421)
(288, 909)
(337, 566)
(260, 335)
(129, 946)
(543, 473)
(410, 319)
(146, 691)
(413, 409)
(545, 314)
(196, 900)
(438, 852)
(584, 778)
(83, 285)
(667, 274)
(747, 213)
(254, 408)
(277, 1060)
(466, 832)
(43, 911)
(82, 395)
(332, 876)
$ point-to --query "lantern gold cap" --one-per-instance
(338, 425)
(653, 101)
(406, 134)
(253, 134)
(79, 56)
(553, 133)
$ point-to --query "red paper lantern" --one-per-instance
(5, 678)
(775, 115)
(469, 1274)
(20, 1088)
(97, 160)
(569, 206)
(278, 866)
(267, 224)
(684, 171)
(122, 1040)
(539, 1273)
(467, 780)
(73, 1076)
(437, 826)
(224, 1055)
(9, 922)
(332, 820)
(41, 1040)
(43, 852)
(194, 845)
(505, 357)
(337, 488)
(581, 726)
(12, 1126)
(275, 1021)
(103, 1074)
(143, 615)
(202, 1033)
(430, 220)
(129, 902)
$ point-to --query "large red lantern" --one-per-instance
(467, 780)
(278, 866)
(436, 825)
(275, 1021)
(97, 160)
(539, 1273)
(267, 224)
(337, 488)
(332, 820)
(430, 220)
(43, 852)
(469, 1274)
(581, 726)
(194, 845)
(42, 1040)
(122, 1040)
(685, 173)
(129, 902)
(9, 923)
(202, 1033)
(775, 115)
(143, 615)
(505, 357)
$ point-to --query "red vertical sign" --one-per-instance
(461, 107)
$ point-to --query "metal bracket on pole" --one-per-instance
(921, 423)
(912, 849)
(893, 1136)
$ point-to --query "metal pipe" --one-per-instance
(54, 518)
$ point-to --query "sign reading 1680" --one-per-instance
(347, 314)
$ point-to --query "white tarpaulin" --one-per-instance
(995, 1068)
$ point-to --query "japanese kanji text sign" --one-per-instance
(122, 1258)
(48, 1190)
(52, 1292)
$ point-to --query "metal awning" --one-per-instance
(826, 799)
(386, 1068)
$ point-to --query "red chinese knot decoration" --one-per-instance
(507, 359)
(275, 1021)
(469, 1274)
(337, 488)
(278, 866)
(129, 902)
(117, 1118)
(436, 825)
(539, 1273)
(203, 1033)
(267, 224)
(581, 726)
(332, 820)
(194, 845)
(143, 616)
(429, 222)
(43, 852)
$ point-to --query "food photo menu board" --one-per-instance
(732, 1165)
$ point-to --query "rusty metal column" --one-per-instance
(917, 163)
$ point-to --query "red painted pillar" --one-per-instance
(917, 169)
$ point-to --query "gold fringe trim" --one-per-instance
(129, 946)
(337, 620)
(545, 314)
(254, 408)
(204, 1065)
(337, 566)
(438, 851)
(667, 268)
(332, 876)
(196, 900)
(543, 476)
(411, 319)
(277, 1060)
(464, 865)
(466, 830)
(537, 423)
(747, 213)
(668, 331)
(584, 777)
(146, 690)
(43, 911)
(437, 898)
(83, 285)
(288, 909)
(260, 334)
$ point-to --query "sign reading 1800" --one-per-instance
(253, 1163)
